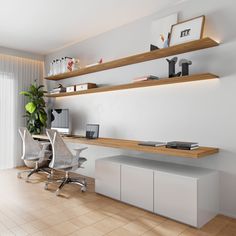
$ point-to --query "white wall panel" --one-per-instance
(202, 111)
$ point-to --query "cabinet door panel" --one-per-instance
(175, 196)
(137, 186)
(107, 179)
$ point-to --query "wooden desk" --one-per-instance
(133, 145)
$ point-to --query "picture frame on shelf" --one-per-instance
(187, 31)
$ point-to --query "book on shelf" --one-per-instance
(145, 78)
(58, 90)
(54, 92)
(152, 144)
(182, 145)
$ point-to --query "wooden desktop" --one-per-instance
(134, 145)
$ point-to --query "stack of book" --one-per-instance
(145, 78)
(182, 145)
(58, 90)
(152, 144)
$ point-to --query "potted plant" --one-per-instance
(36, 115)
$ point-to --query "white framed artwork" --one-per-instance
(160, 30)
(187, 31)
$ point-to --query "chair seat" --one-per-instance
(63, 167)
(64, 160)
(31, 158)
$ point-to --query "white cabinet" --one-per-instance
(137, 186)
(176, 197)
(107, 178)
(191, 200)
(184, 193)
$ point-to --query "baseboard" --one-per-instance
(228, 214)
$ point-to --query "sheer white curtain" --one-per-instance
(16, 74)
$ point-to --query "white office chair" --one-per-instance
(34, 152)
(63, 160)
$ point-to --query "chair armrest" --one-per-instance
(78, 161)
(44, 144)
(82, 160)
(79, 150)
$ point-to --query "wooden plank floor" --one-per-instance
(27, 209)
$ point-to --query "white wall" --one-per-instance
(19, 53)
(197, 111)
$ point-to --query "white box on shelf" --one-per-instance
(70, 89)
(82, 87)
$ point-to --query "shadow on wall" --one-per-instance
(80, 120)
(220, 29)
(218, 60)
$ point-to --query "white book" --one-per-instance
(152, 144)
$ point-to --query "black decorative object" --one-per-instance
(153, 47)
(184, 63)
(172, 63)
(92, 131)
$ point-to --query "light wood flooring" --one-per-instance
(28, 209)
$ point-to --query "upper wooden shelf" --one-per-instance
(149, 83)
(133, 145)
(147, 56)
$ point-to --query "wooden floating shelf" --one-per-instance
(133, 145)
(147, 56)
(149, 83)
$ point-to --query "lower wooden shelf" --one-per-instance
(133, 145)
(175, 80)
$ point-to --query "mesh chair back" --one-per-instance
(62, 157)
(31, 147)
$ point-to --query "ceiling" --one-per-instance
(44, 26)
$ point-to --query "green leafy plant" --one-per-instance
(35, 109)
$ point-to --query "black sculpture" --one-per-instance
(153, 47)
(185, 66)
(172, 63)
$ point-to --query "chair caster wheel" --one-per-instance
(46, 186)
(27, 180)
(19, 176)
(58, 192)
(83, 189)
